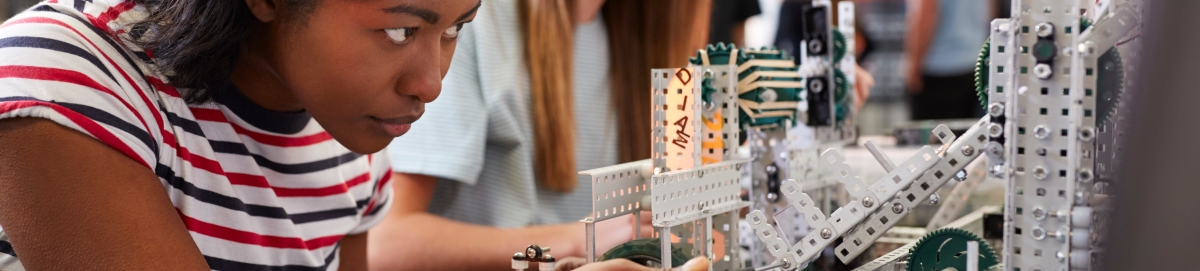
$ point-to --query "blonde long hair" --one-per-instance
(643, 35)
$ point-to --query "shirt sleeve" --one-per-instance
(380, 202)
(448, 141)
(55, 66)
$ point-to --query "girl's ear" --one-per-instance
(265, 10)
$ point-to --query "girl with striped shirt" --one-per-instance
(223, 135)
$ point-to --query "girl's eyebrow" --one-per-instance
(425, 14)
(428, 15)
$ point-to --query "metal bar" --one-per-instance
(883, 159)
(590, 235)
(664, 235)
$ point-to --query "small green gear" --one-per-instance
(841, 99)
(981, 72)
(647, 252)
(839, 46)
(1110, 80)
(947, 248)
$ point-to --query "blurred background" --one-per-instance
(883, 26)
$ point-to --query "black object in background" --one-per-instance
(726, 14)
(1156, 224)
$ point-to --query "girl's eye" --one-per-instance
(453, 31)
(399, 35)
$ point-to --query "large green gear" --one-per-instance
(721, 54)
(947, 248)
(647, 252)
(1110, 80)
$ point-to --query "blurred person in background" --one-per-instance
(538, 91)
(943, 42)
(728, 23)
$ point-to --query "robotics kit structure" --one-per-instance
(1050, 78)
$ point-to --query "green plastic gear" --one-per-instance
(721, 54)
(1110, 80)
(981, 72)
(839, 46)
(947, 248)
(647, 252)
(841, 99)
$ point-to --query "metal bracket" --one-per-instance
(954, 159)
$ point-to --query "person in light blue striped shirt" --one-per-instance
(469, 176)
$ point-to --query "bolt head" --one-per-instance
(968, 150)
(868, 202)
(772, 197)
(1044, 29)
(1085, 175)
(933, 199)
(995, 130)
(826, 233)
(1087, 134)
(996, 109)
(1040, 172)
(1039, 213)
(1043, 71)
(1038, 233)
(1041, 132)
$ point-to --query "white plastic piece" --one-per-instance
(1081, 259)
(545, 266)
(1081, 217)
(1081, 238)
(520, 265)
(972, 256)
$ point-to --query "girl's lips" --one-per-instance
(394, 127)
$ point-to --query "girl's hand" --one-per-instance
(578, 264)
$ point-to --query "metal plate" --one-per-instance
(687, 195)
(617, 190)
(676, 118)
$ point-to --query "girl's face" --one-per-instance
(365, 69)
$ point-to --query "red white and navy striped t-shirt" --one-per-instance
(257, 189)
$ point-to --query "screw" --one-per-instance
(1087, 48)
(826, 233)
(1087, 133)
(996, 109)
(961, 175)
(1085, 175)
(1039, 213)
(1040, 173)
(1043, 71)
(968, 150)
(995, 130)
(933, 199)
(868, 202)
(1039, 233)
(1044, 29)
(1041, 132)
(995, 149)
(816, 86)
(897, 208)
(772, 197)
(815, 45)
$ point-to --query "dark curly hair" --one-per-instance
(196, 42)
